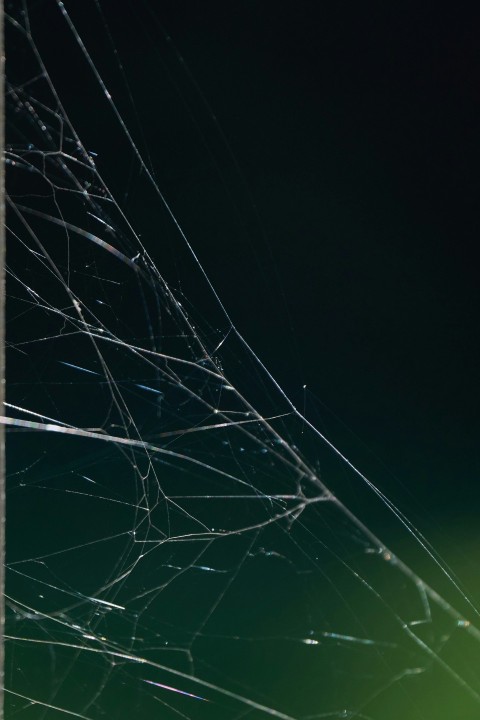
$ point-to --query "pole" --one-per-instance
(2, 356)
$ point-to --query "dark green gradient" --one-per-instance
(181, 542)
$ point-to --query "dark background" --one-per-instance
(333, 202)
(322, 159)
(322, 162)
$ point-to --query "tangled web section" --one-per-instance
(173, 548)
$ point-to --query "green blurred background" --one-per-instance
(322, 159)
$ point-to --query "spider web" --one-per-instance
(172, 550)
